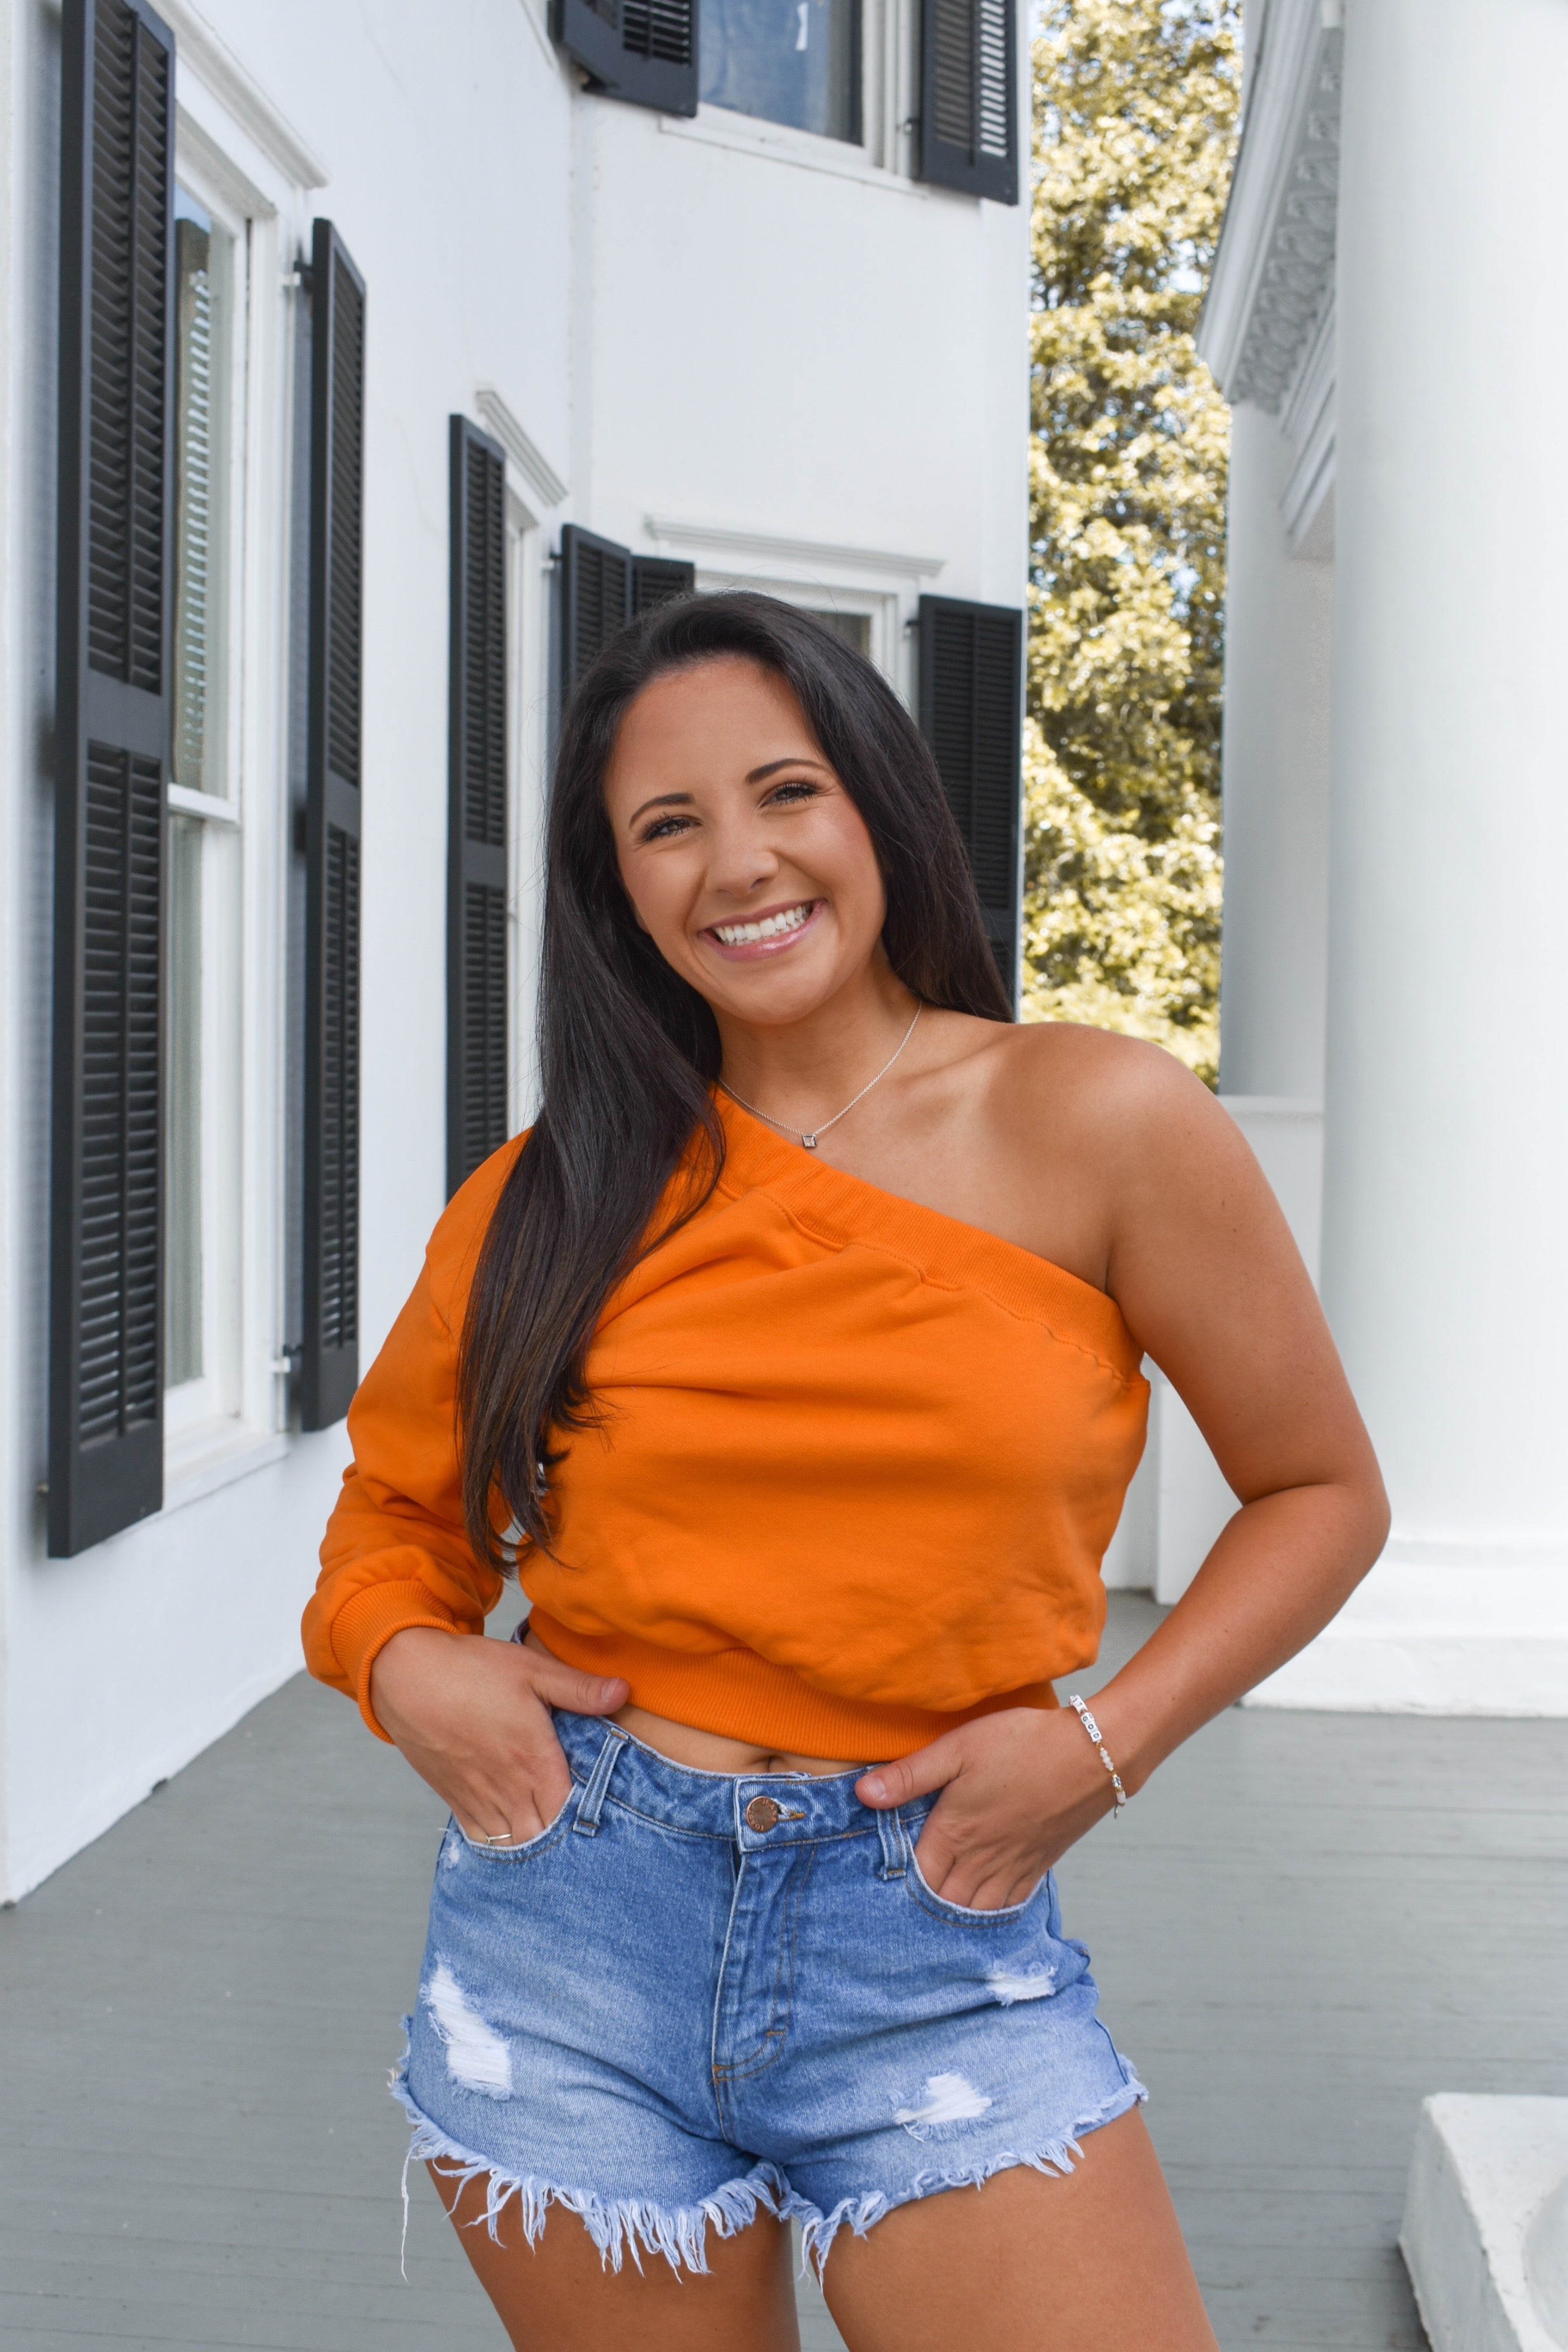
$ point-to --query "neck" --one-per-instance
(803, 1071)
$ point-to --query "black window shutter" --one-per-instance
(111, 745)
(970, 709)
(329, 1371)
(476, 790)
(641, 50)
(595, 599)
(655, 578)
(969, 96)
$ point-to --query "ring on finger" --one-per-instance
(502, 1837)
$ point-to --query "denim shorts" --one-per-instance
(695, 1995)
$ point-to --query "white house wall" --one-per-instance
(766, 358)
(716, 327)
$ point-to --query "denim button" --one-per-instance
(762, 1814)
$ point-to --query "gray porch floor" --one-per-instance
(1307, 1923)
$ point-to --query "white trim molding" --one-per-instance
(780, 142)
(1442, 1626)
(814, 555)
(1274, 272)
(1308, 424)
(524, 452)
(236, 88)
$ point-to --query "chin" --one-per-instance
(773, 999)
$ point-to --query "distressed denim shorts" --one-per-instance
(695, 1994)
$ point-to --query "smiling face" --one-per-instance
(743, 856)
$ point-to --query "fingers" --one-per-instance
(565, 1688)
(511, 1795)
(912, 1776)
(473, 1719)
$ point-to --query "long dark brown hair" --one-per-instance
(628, 1051)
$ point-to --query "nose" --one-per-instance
(742, 861)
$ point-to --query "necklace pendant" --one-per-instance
(809, 1141)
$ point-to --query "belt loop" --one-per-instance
(587, 1821)
(891, 1834)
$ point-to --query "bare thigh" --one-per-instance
(1091, 2263)
(557, 2296)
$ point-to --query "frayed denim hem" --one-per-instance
(628, 2225)
(818, 2230)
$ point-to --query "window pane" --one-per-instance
(855, 628)
(203, 259)
(183, 1245)
(788, 60)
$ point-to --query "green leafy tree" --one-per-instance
(1135, 105)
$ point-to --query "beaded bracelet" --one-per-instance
(1089, 1724)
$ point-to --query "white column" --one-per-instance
(1278, 612)
(1445, 1203)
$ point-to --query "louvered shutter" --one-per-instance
(969, 96)
(644, 51)
(329, 1371)
(657, 578)
(477, 853)
(595, 599)
(971, 708)
(111, 747)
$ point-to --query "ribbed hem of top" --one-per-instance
(364, 1626)
(741, 1695)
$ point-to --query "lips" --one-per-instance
(769, 933)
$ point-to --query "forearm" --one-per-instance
(1281, 1568)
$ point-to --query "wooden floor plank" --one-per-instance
(1306, 1924)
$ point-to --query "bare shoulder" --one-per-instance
(1110, 1092)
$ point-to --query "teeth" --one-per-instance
(745, 935)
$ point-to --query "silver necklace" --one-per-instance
(809, 1141)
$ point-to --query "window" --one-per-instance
(855, 628)
(794, 61)
(169, 1173)
(201, 1071)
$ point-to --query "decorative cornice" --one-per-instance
(236, 88)
(1274, 272)
(1307, 425)
(724, 539)
(529, 460)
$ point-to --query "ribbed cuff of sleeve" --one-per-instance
(365, 1625)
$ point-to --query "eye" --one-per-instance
(797, 788)
(664, 828)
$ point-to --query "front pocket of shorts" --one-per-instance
(963, 1914)
(530, 1846)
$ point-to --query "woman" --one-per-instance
(793, 1360)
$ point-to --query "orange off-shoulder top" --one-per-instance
(859, 1467)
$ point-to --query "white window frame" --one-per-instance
(885, 608)
(884, 155)
(199, 1412)
(250, 170)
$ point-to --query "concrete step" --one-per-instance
(1486, 2223)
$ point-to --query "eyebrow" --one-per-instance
(797, 760)
(756, 776)
(659, 800)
